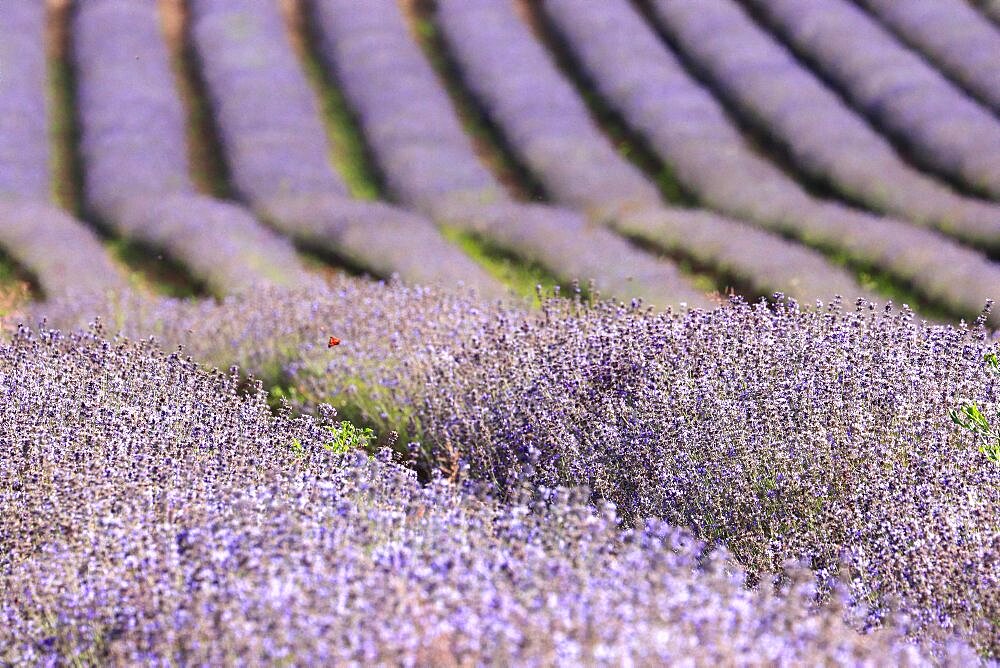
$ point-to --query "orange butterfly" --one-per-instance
(334, 341)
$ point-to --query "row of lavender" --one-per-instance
(58, 251)
(277, 150)
(277, 155)
(133, 145)
(549, 128)
(822, 134)
(902, 93)
(954, 36)
(689, 129)
(430, 164)
(780, 433)
(149, 514)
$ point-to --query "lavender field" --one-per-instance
(499, 332)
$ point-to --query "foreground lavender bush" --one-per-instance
(152, 514)
(783, 432)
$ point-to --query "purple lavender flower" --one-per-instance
(152, 513)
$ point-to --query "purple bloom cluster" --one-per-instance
(824, 136)
(902, 93)
(151, 514)
(58, 251)
(134, 150)
(690, 131)
(954, 36)
(430, 164)
(550, 129)
(780, 433)
(277, 149)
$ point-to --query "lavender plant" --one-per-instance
(907, 98)
(134, 151)
(821, 133)
(60, 253)
(683, 123)
(153, 514)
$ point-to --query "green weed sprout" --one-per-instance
(346, 437)
(970, 417)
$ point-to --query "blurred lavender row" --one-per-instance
(906, 97)
(550, 129)
(59, 252)
(823, 135)
(689, 130)
(429, 162)
(540, 114)
(24, 140)
(190, 526)
(954, 36)
(277, 151)
(134, 152)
